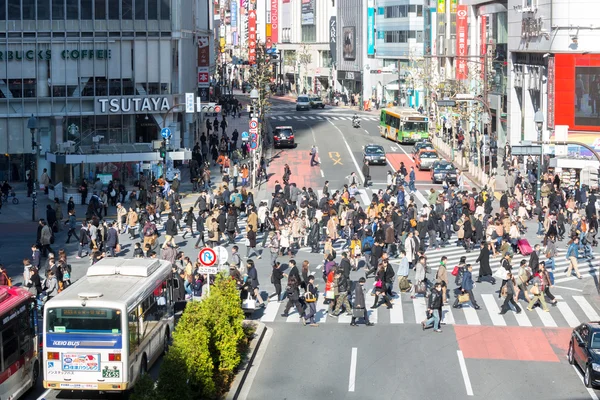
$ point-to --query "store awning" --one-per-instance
(68, 159)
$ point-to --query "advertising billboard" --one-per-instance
(252, 37)
(349, 44)
(274, 21)
(333, 38)
(462, 37)
(308, 12)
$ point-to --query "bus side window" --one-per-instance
(10, 346)
(134, 339)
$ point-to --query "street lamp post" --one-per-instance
(32, 126)
(539, 124)
(255, 97)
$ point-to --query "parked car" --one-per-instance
(302, 103)
(424, 145)
(374, 154)
(426, 158)
(283, 136)
(316, 102)
(442, 170)
(584, 352)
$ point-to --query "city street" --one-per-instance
(498, 355)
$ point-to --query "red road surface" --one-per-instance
(302, 173)
(396, 158)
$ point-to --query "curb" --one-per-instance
(246, 366)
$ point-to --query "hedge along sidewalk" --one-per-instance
(240, 387)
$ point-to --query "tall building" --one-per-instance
(100, 78)
(554, 48)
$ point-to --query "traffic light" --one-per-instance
(163, 151)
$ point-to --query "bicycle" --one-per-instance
(11, 194)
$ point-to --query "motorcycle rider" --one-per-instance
(355, 120)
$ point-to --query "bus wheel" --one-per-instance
(35, 375)
(144, 366)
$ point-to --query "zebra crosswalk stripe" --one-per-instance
(587, 308)
(493, 310)
(546, 318)
(396, 313)
(566, 312)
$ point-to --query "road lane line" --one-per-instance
(45, 394)
(447, 317)
(270, 311)
(567, 288)
(321, 314)
(522, 318)
(465, 373)
(364, 197)
(322, 174)
(373, 315)
(367, 132)
(420, 309)
(396, 314)
(358, 169)
(546, 318)
(471, 315)
(352, 378)
(587, 308)
(567, 313)
(493, 310)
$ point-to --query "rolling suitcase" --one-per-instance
(524, 247)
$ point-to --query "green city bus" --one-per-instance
(403, 124)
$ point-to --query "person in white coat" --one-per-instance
(262, 213)
(409, 247)
(420, 272)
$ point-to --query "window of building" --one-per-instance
(412, 8)
(72, 9)
(152, 9)
(325, 58)
(2, 13)
(100, 9)
(419, 36)
(58, 9)
(114, 87)
(14, 10)
(43, 9)
(396, 11)
(128, 88)
(165, 10)
(412, 34)
(113, 9)
(419, 11)
(309, 33)
(396, 36)
(127, 9)
(140, 9)
(29, 10)
(86, 9)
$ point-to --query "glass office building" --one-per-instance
(99, 76)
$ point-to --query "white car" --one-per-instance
(302, 103)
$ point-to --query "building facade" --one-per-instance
(100, 77)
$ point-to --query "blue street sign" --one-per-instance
(165, 133)
(253, 145)
(245, 136)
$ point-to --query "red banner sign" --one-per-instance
(483, 40)
(274, 21)
(550, 88)
(462, 37)
(252, 36)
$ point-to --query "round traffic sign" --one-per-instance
(165, 133)
(222, 254)
(207, 257)
(253, 124)
(253, 137)
(217, 109)
(253, 145)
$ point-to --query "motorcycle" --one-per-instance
(356, 123)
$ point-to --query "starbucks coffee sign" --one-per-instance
(44, 55)
(133, 105)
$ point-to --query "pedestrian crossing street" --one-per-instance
(570, 311)
(320, 117)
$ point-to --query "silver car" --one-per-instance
(302, 103)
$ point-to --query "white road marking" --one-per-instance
(321, 315)
(420, 309)
(522, 318)
(396, 313)
(546, 318)
(590, 390)
(343, 318)
(567, 313)
(270, 311)
(322, 174)
(352, 378)
(587, 308)
(45, 394)
(394, 148)
(358, 169)
(465, 373)
(493, 309)
(367, 132)
(567, 288)
(293, 317)
(364, 197)
(447, 315)
(471, 315)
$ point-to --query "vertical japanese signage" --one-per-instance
(252, 36)
(203, 61)
(433, 32)
(234, 15)
(462, 37)
(441, 6)
(371, 27)
(550, 89)
(333, 39)
(274, 21)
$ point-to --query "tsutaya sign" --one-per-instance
(133, 105)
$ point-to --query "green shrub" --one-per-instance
(144, 389)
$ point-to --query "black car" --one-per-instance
(374, 154)
(584, 352)
(442, 170)
(283, 136)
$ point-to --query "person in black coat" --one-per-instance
(294, 272)
(359, 303)
(200, 220)
(253, 280)
(276, 276)
(534, 259)
(484, 263)
(293, 295)
(313, 237)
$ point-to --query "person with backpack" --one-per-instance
(150, 233)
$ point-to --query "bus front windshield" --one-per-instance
(83, 320)
(415, 126)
